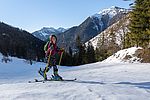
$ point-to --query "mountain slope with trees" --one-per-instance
(19, 43)
(91, 26)
(131, 30)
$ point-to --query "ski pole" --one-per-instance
(48, 60)
(61, 58)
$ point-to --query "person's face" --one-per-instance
(54, 40)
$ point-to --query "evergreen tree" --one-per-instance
(112, 45)
(70, 51)
(101, 51)
(127, 40)
(71, 56)
(81, 55)
(78, 41)
(139, 25)
(147, 3)
(97, 55)
(66, 60)
(90, 53)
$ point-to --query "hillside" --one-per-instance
(97, 81)
(118, 30)
(19, 43)
(129, 55)
(91, 26)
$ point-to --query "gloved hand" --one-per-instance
(62, 49)
(47, 52)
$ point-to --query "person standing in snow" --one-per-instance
(53, 53)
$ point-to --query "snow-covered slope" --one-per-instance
(120, 28)
(18, 70)
(97, 81)
(126, 55)
(108, 16)
(44, 33)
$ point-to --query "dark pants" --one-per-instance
(52, 63)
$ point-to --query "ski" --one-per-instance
(43, 81)
(69, 79)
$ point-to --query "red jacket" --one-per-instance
(53, 49)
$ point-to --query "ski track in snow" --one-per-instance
(97, 81)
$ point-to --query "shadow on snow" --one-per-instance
(88, 82)
(145, 85)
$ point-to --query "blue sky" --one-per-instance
(32, 15)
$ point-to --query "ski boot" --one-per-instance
(43, 74)
(57, 77)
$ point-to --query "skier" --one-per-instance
(52, 52)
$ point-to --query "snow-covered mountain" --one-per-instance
(112, 11)
(44, 33)
(60, 29)
(97, 81)
(92, 26)
(119, 28)
(104, 18)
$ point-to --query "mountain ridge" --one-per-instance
(44, 33)
(91, 27)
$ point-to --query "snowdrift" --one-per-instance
(127, 55)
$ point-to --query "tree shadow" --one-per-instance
(144, 85)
